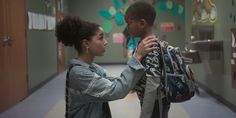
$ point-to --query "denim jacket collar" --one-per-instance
(78, 61)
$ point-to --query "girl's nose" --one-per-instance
(105, 42)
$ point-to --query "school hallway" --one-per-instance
(48, 102)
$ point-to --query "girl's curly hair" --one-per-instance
(72, 30)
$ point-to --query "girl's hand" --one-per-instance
(145, 46)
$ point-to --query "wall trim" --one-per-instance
(32, 90)
(219, 98)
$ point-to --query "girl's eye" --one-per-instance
(101, 37)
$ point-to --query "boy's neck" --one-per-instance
(148, 32)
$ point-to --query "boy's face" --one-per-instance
(133, 26)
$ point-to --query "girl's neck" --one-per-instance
(86, 58)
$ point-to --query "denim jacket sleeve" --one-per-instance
(106, 88)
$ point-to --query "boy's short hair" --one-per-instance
(142, 10)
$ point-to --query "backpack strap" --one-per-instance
(67, 91)
(163, 75)
(163, 68)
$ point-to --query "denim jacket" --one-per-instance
(90, 86)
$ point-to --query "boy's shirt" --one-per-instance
(133, 43)
(153, 64)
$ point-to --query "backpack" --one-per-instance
(178, 82)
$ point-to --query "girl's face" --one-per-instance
(97, 44)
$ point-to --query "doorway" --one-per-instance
(13, 65)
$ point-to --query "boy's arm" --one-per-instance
(153, 63)
(153, 74)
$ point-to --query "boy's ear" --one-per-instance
(143, 23)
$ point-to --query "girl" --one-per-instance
(88, 86)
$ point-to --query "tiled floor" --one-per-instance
(48, 102)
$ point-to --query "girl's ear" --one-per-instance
(85, 43)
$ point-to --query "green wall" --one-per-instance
(176, 37)
(41, 47)
(217, 76)
(88, 10)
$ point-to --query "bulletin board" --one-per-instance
(233, 57)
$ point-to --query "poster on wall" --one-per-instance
(204, 11)
(118, 37)
(167, 26)
(233, 57)
(38, 21)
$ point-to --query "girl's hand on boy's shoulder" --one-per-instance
(146, 45)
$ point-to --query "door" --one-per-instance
(13, 76)
(61, 49)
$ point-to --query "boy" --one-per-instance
(140, 18)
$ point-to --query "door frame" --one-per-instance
(60, 46)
